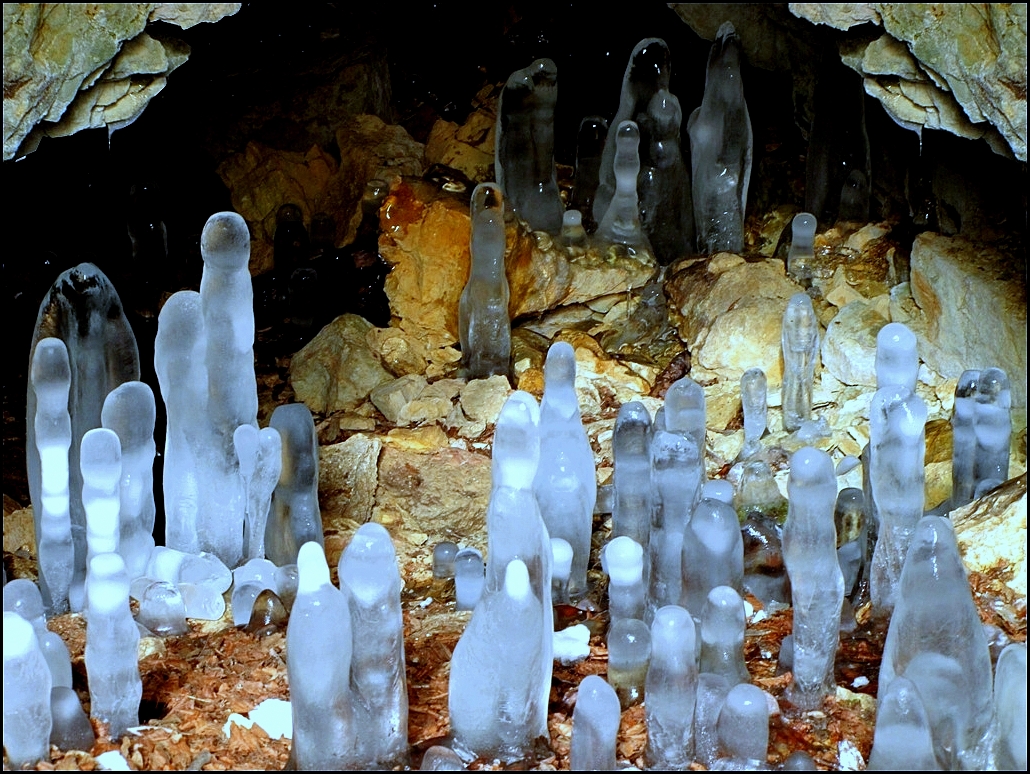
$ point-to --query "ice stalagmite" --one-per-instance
(722, 635)
(484, 327)
(937, 641)
(648, 71)
(130, 411)
(83, 309)
(802, 248)
(27, 684)
(469, 579)
(1010, 708)
(589, 147)
(524, 165)
(720, 149)
(992, 425)
(497, 707)
(963, 440)
(631, 449)
(800, 342)
(671, 690)
(629, 653)
(685, 411)
(516, 451)
(897, 361)
(100, 464)
(713, 553)
(754, 401)
(897, 445)
(295, 518)
(626, 587)
(260, 459)
(621, 223)
(561, 569)
(744, 728)
(368, 570)
(666, 207)
(817, 585)
(318, 659)
(595, 726)
(901, 740)
(50, 377)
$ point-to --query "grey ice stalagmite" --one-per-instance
(897, 361)
(963, 440)
(901, 739)
(629, 654)
(1010, 708)
(937, 641)
(722, 635)
(497, 705)
(318, 660)
(666, 207)
(802, 247)
(718, 489)
(621, 223)
(595, 726)
(27, 685)
(368, 569)
(484, 327)
(671, 690)
(817, 585)
(744, 725)
(112, 644)
(130, 411)
(800, 343)
(631, 450)
(720, 149)
(897, 446)
(82, 308)
(295, 518)
(50, 376)
(992, 425)
(626, 586)
(573, 234)
(260, 457)
(593, 130)
(444, 553)
(71, 729)
(713, 553)
(524, 165)
(469, 579)
(100, 464)
(754, 401)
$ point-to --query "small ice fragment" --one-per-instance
(572, 645)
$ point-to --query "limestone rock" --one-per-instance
(72, 66)
(347, 480)
(482, 399)
(991, 533)
(392, 397)
(469, 148)
(336, 370)
(849, 346)
(398, 351)
(972, 308)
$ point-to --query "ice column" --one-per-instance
(1010, 708)
(497, 705)
(754, 401)
(296, 518)
(71, 729)
(744, 726)
(621, 222)
(802, 247)
(100, 464)
(937, 641)
(897, 446)
(901, 739)
(849, 519)
(318, 659)
(720, 149)
(51, 381)
(671, 690)
(595, 726)
(368, 570)
(896, 359)
(722, 635)
(524, 165)
(817, 585)
(27, 684)
(713, 553)
(963, 440)
(112, 642)
(992, 426)
(631, 449)
(131, 413)
(484, 327)
(800, 343)
(589, 147)
(83, 309)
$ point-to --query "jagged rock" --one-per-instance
(392, 397)
(337, 370)
(849, 346)
(991, 533)
(469, 148)
(72, 66)
(482, 399)
(399, 352)
(347, 480)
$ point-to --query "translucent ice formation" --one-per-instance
(800, 343)
(685, 411)
(368, 570)
(621, 222)
(720, 149)
(497, 704)
(484, 327)
(802, 247)
(626, 587)
(440, 758)
(318, 659)
(992, 425)
(259, 453)
(469, 579)
(817, 585)
(629, 653)
(754, 401)
(589, 148)
(631, 449)
(713, 553)
(71, 729)
(744, 725)
(711, 695)
(443, 559)
(100, 465)
(1010, 708)
(963, 440)
(50, 377)
(722, 635)
(516, 451)
(83, 309)
(896, 359)
(901, 740)
(295, 517)
(561, 569)
(27, 684)
(524, 165)
(671, 690)
(595, 726)
(162, 609)
(937, 641)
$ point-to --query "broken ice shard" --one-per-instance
(713, 553)
(720, 150)
(631, 450)
(648, 70)
(27, 684)
(621, 223)
(901, 739)
(671, 690)
(112, 642)
(595, 726)
(1010, 708)
(722, 635)
(318, 661)
(497, 704)
(295, 518)
(963, 440)
(130, 411)
(992, 425)
(896, 359)
(626, 588)
(469, 579)
(756, 410)
(368, 570)
(937, 641)
(100, 465)
(666, 208)
(897, 446)
(744, 725)
(629, 653)
(484, 327)
(50, 377)
(802, 248)
(589, 148)
(71, 729)
(817, 585)
(524, 165)
(83, 309)
(516, 451)
(800, 343)
(260, 459)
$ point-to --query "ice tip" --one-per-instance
(312, 568)
(516, 580)
(225, 240)
(19, 636)
(811, 464)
